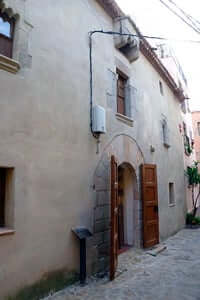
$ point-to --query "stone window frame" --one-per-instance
(121, 77)
(21, 57)
(124, 71)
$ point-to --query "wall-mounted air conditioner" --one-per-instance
(98, 119)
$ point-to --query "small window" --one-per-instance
(6, 34)
(198, 128)
(161, 88)
(6, 198)
(165, 132)
(171, 194)
(121, 91)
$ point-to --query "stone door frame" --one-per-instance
(126, 150)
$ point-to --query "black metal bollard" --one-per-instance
(82, 234)
(82, 261)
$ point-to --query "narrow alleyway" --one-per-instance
(172, 275)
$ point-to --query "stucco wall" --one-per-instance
(45, 136)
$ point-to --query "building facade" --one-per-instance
(55, 174)
(169, 59)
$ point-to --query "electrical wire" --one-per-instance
(180, 17)
(189, 17)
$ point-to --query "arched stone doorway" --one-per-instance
(129, 158)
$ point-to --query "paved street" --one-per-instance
(173, 274)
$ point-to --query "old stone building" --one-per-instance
(54, 173)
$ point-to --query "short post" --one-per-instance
(82, 261)
(82, 234)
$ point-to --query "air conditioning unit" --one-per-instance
(98, 119)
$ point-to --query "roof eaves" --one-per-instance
(111, 8)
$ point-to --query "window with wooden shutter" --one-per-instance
(6, 34)
(121, 86)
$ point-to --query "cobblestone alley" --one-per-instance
(173, 274)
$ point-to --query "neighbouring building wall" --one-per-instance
(169, 59)
(45, 138)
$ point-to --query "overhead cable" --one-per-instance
(189, 17)
(197, 30)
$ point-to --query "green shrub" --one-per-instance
(197, 220)
(191, 220)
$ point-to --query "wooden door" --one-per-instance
(114, 218)
(150, 206)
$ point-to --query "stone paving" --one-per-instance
(173, 274)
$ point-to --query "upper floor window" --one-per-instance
(121, 93)
(6, 34)
(161, 88)
(165, 132)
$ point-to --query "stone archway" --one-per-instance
(126, 150)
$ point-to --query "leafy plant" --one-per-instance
(194, 182)
(191, 220)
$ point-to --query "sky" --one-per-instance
(154, 19)
(4, 27)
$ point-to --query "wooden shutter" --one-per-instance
(114, 218)
(2, 196)
(150, 206)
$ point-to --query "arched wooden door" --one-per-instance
(114, 218)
